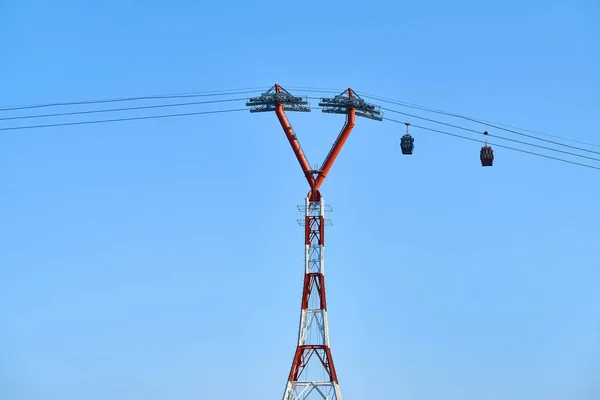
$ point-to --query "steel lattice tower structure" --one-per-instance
(313, 372)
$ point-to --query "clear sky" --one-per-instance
(161, 259)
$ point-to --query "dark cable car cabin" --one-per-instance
(407, 142)
(486, 155)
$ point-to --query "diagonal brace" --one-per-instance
(337, 146)
(289, 132)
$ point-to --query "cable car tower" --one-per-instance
(313, 374)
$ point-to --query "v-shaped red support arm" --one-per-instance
(289, 132)
(337, 146)
(333, 153)
(315, 182)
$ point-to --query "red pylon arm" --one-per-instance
(289, 132)
(337, 146)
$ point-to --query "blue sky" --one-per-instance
(161, 259)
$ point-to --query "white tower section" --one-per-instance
(313, 374)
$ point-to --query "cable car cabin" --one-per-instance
(487, 156)
(407, 144)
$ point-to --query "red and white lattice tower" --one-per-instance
(313, 372)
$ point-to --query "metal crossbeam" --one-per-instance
(278, 95)
(349, 99)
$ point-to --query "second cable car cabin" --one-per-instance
(486, 155)
(407, 142)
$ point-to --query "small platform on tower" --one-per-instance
(301, 218)
(349, 99)
(278, 95)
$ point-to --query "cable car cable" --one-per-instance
(496, 136)
(117, 100)
(310, 89)
(479, 121)
(492, 125)
(493, 144)
(121, 109)
(124, 119)
(429, 109)
(224, 92)
(224, 100)
(245, 109)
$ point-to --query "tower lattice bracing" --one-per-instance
(313, 374)
(312, 366)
